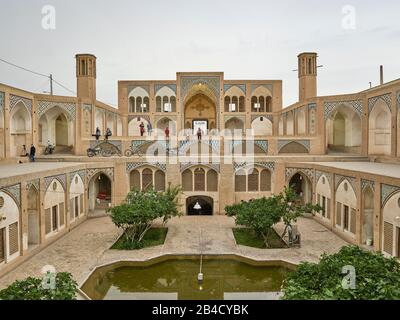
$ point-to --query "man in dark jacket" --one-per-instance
(98, 133)
(32, 153)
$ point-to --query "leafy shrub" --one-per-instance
(261, 215)
(139, 211)
(377, 277)
(33, 289)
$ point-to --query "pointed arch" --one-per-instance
(380, 120)
(391, 226)
(134, 126)
(164, 123)
(346, 207)
(235, 124)
(343, 130)
(9, 228)
(262, 126)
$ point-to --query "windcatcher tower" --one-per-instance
(86, 76)
(307, 75)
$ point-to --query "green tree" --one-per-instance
(292, 208)
(259, 215)
(137, 214)
(262, 214)
(33, 289)
(376, 277)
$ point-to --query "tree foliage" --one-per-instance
(137, 214)
(261, 215)
(292, 208)
(377, 277)
(33, 289)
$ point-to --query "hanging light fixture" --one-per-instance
(197, 206)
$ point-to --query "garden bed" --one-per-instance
(154, 237)
(247, 237)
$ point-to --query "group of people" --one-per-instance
(166, 131)
(31, 154)
(106, 136)
(143, 130)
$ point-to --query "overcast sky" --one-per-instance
(154, 39)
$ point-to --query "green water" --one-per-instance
(176, 279)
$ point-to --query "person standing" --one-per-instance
(199, 134)
(166, 133)
(32, 153)
(149, 129)
(98, 133)
(108, 133)
(142, 130)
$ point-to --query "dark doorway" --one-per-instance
(206, 206)
(100, 192)
(302, 186)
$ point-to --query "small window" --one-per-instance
(76, 180)
(346, 218)
(346, 186)
(2, 202)
(323, 180)
(54, 186)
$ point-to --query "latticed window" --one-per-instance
(132, 104)
(54, 218)
(242, 104)
(240, 181)
(47, 218)
(13, 238)
(346, 218)
(62, 215)
(265, 180)
(135, 180)
(353, 217)
(338, 213)
(388, 238)
(158, 104)
(187, 180)
(268, 104)
(72, 209)
(212, 181)
(147, 179)
(199, 180)
(159, 181)
(253, 180)
(328, 208)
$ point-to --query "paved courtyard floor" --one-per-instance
(87, 246)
